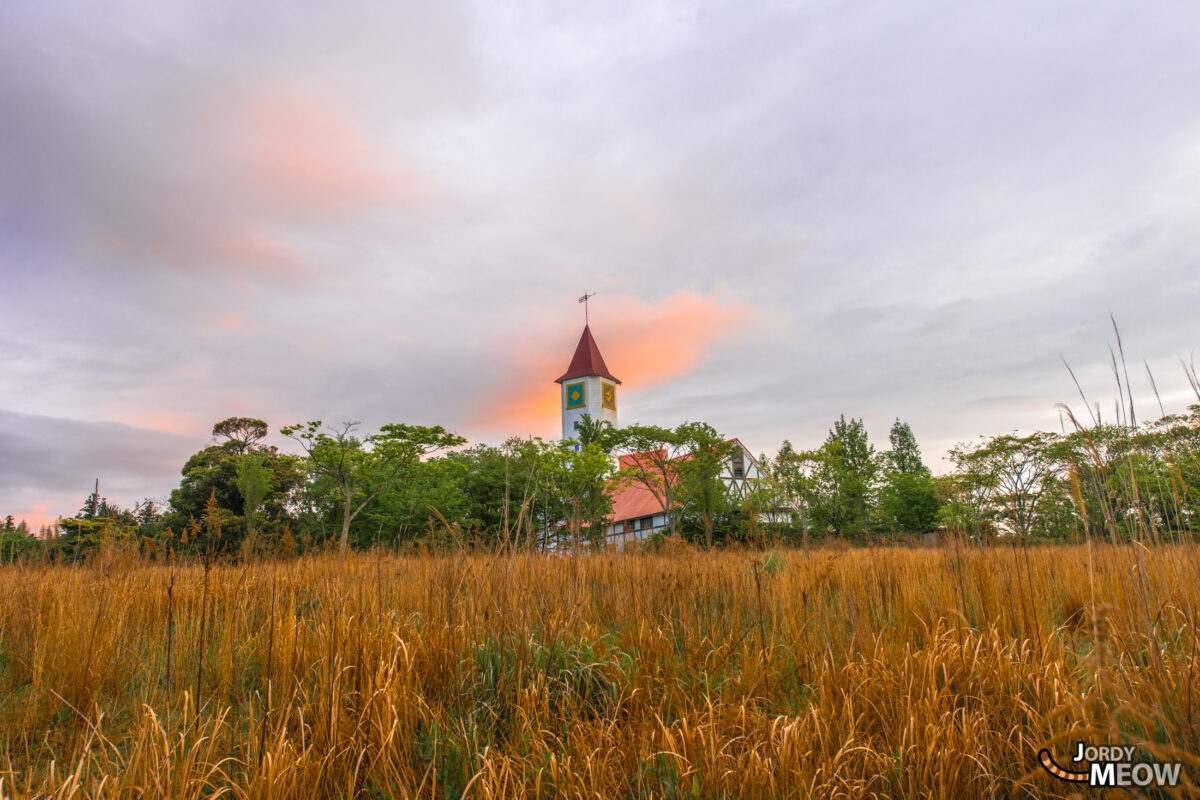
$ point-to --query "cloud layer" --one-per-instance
(383, 213)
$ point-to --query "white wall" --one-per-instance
(593, 404)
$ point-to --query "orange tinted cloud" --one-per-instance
(643, 344)
(653, 344)
(311, 156)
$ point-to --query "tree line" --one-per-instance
(406, 485)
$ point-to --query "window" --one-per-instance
(739, 466)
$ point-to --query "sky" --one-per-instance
(385, 212)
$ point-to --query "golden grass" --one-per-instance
(883, 673)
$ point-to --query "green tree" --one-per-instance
(596, 431)
(793, 473)
(241, 435)
(579, 475)
(966, 497)
(214, 472)
(905, 456)
(702, 459)
(648, 460)
(908, 496)
(359, 469)
(850, 468)
(1017, 470)
(911, 501)
(254, 484)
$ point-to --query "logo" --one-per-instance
(1113, 765)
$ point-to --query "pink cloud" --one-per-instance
(165, 421)
(36, 517)
(643, 344)
(310, 157)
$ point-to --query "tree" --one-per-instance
(214, 470)
(1017, 469)
(241, 434)
(911, 501)
(908, 496)
(596, 431)
(579, 475)
(792, 472)
(1136, 480)
(359, 469)
(905, 456)
(966, 497)
(253, 483)
(91, 506)
(648, 460)
(699, 467)
(850, 466)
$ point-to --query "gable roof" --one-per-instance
(632, 499)
(587, 360)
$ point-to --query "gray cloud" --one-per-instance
(377, 212)
(48, 464)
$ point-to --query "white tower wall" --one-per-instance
(593, 403)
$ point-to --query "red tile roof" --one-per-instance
(634, 500)
(587, 360)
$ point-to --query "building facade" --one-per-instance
(587, 387)
(638, 514)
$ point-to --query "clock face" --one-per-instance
(608, 395)
(576, 395)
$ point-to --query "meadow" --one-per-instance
(884, 672)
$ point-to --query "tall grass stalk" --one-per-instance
(884, 672)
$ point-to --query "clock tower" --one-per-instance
(587, 387)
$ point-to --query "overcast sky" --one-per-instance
(358, 211)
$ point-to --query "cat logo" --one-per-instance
(1113, 766)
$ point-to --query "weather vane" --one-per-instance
(584, 300)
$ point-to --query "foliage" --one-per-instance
(579, 474)
(904, 457)
(359, 469)
(239, 465)
(910, 501)
(908, 498)
(241, 434)
(1018, 469)
(649, 459)
(701, 463)
(596, 431)
(253, 484)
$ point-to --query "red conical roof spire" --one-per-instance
(587, 360)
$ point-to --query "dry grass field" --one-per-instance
(846, 673)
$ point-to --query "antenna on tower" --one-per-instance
(584, 300)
